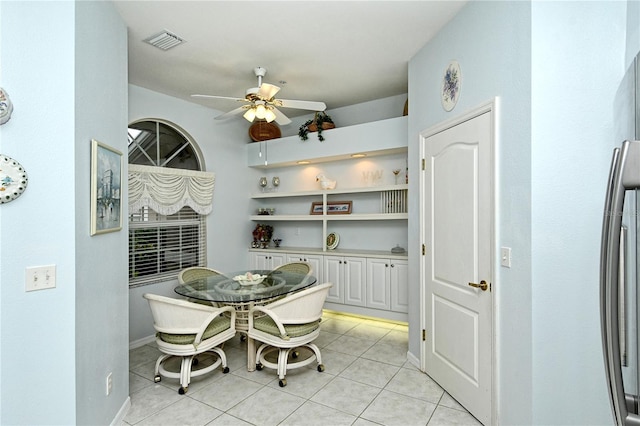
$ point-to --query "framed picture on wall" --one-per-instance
(333, 207)
(106, 184)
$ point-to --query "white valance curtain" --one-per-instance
(167, 190)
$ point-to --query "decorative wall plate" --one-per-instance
(13, 179)
(6, 106)
(451, 82)
(332, 240)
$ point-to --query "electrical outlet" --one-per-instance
(109, 383)
(40, 277)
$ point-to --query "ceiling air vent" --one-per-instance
(164, 40)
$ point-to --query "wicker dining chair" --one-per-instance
(184, 330)
(302, 268)
(196, 272)
(288, 324)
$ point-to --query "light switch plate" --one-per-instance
(40, 277)
(505, 256)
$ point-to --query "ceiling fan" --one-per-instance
(261, 102)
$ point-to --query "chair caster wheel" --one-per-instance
(195, 362)
(157, 378)
(295, 354)
(259, 367)
(320, 368)
(282, 383)
(225, 370)
(243, 338)
(183, 390)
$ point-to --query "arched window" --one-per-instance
(161, 243)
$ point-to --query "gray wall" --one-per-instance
(491, 41)
(580, 52)
(58, 344)
(556, 68)
(101, 278)
(223, 147)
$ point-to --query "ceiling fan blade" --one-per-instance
(232, 113)
(310, 105)
(267, 91)
(219, 97)
(281, 119)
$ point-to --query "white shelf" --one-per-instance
(286, 217)
(316, 192)
(383, 137)
(329, 217)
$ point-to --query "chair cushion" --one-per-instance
(217, 326)
(267, 325)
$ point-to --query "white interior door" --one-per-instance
(457, 214)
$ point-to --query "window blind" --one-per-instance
(161, 245)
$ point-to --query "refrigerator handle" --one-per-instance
(604, 289)
(624, 174)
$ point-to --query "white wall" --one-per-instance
(491, 41)
(47, 368)
(579, 55)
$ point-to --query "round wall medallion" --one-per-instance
(6, 107)
(451, 82)
(13, 179)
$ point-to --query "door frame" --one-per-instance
(491, 107)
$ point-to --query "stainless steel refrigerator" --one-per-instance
(620, 260)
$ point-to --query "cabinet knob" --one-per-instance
(392, 265)
(386, 265)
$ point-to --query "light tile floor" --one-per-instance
(367, 381)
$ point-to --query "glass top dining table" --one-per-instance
(227, 290)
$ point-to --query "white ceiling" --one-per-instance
(338, 52)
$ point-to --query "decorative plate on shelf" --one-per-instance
(13, 179)
(332, 240)
(451, 82)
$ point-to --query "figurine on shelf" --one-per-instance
(325, 183)
(262, 235)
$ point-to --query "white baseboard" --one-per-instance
(141, 342)
(413, 360)
(122, 413)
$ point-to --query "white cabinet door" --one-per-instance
(266, 260)
(259, 261)
(333, 273)
(399, 286)
(314, 260)
(378, 288)
(276, 259)
(355, 280)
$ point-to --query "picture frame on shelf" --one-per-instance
(333, 207)
(106, 184)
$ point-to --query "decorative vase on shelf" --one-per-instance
(263, 182)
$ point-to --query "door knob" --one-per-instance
(482, 286)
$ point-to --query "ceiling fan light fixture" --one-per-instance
(250, 115)
(261, 111)
(269, 115)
